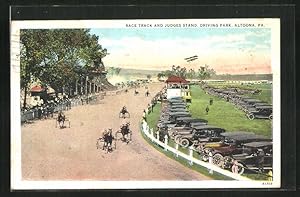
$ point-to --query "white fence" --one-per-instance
(211, 167)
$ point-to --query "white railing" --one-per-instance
(211, 167)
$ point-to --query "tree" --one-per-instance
(149, 76)
(160, 75)
(57, 57)
(118, 70)
(31, 56)
(204, 72)
(114, 71)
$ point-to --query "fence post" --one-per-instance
(176, 147)
(191, 155)
(151, 134)
(166, 142)
(157, 135)
(210, 160)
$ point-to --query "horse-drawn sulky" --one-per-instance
(124, 113)
(107, 141)
(124, 133)
(61, 119)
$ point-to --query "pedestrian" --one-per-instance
(39, 112)
(211, 101)
(260, 160)
(207, 110)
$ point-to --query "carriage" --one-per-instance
(124, 133)
(124, 113)
(60, 121)
(136, 92)
(107, 142)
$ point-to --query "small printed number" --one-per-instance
(267, 183)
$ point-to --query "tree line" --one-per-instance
(203, 72)
(57, 57)
(113, 71)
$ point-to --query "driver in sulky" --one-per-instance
(109, 137)
(124, 109)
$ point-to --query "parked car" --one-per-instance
(177, 128)
(255, 155)
(174, 109)
(261, 112)
(203, 133)
(228, 146)
(186, 122)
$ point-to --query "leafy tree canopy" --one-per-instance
(57, 57)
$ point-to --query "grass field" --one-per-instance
(224, 114)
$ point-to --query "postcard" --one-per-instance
(145, 104)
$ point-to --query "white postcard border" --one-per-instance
(16, 180)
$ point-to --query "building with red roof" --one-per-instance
(178, 87)
(37, 88)
(176, 79)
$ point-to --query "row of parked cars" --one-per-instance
(231, 150)
(254, 108)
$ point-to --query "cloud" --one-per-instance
(217, 51)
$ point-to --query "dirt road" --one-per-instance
(50, 153)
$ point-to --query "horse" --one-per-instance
(124, 113)
(126, 133)
(61, 120)
(106, 139)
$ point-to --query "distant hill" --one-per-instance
(249, 77)
(138, 72)
(132, 74)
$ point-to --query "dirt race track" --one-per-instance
(50, 153)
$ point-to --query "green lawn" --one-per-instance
(152, 118)
(224, 114)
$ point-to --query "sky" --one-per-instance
(227, 50)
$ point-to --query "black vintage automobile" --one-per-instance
(231, 145)
(261, 112)
(176, 110)
(186, 122)
(203, 133)
(184, 125)
(255, 156)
